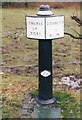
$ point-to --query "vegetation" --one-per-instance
(19, 51)
(68, 104)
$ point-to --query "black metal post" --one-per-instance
(45, 65)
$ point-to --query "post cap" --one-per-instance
(44, 10)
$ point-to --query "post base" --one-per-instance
(46, 102)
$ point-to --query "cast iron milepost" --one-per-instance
(45, 27)
(45, 64)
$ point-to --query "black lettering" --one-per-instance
(41, 24)
(31, 33)
(37, 33)
(31, 23)
(36, 23)
(35, 28)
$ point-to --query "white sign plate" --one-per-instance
(54, 27)
(45, 27)
(35, 27)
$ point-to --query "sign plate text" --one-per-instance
(35, 27)
(45, 27)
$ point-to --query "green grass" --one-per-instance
(68, 104)
(25, 52)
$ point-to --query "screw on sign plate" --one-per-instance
(45, 73)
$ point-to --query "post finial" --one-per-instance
(44, 10)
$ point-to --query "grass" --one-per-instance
(24, 51)
(68, 104)
(14, 87)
